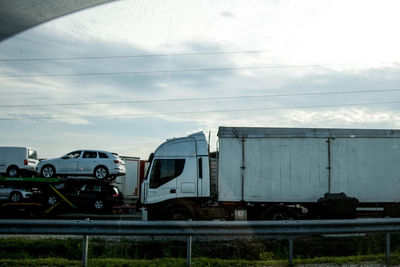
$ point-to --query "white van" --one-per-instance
(15, 161)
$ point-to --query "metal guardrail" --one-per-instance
(288, 229)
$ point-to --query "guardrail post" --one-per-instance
(291, 248)
(189, 250)
(85, 249)
(387, 247)
(290, 251)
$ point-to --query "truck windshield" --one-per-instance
(164, 170)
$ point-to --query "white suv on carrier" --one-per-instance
(100, 164)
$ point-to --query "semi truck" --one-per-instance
(274, 173)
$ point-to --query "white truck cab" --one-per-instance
(179, 169)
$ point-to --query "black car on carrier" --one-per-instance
(88, 195)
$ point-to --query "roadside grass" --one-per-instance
(244, 249)
(200, 262)
(20, 251)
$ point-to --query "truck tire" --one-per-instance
(178, 214)
(12, 171)
(278, 213)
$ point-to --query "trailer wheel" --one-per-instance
(278, 213)
(48, 171)
(12, 171)
(100, 173)
(15, 197)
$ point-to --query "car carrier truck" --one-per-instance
(275, 173)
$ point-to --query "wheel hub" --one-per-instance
(101, 173)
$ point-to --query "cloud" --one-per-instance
(162, 86)
(227, 14)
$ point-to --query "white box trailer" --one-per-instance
(275, 173)
(301, 165)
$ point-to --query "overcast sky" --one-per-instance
(125, 76)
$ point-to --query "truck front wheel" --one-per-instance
(178, 214)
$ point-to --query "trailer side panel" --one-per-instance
(366, 168)
(275, 169)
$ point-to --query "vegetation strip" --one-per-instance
(246, 252)
(199, 262)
